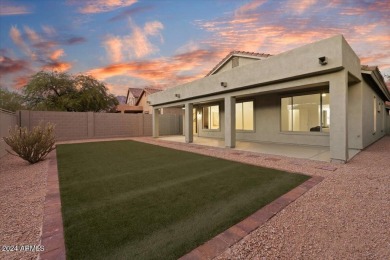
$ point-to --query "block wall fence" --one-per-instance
(7, 120)
(88, 125)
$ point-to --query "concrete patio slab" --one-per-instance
(317, 153)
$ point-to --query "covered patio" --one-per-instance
(294, 104)
(317, 153)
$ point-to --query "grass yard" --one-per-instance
(131, 200)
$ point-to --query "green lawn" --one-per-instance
(131, 200)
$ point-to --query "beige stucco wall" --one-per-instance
(355, 110)
(267, 125)
(298, 63)
(368, 116)
(227, 66)
(241, 61)
(146, 107)
(295, 70)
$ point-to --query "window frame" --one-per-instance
(219, 117)
(292, 95)
(254, 116)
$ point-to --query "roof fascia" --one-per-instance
(377, 78)
(139, 98)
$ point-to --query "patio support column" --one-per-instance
(188, 123)
(230, 122)
(338, 91)
(156, 122)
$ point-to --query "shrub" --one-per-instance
(32, 146)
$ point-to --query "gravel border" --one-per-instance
(22, 193)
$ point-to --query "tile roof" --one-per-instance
(375, 68)
(238, 53)
(152, 90)
(375, 71)
(136, 92)
(370, 68)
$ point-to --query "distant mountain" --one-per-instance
(121, 99)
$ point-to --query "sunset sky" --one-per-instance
(163, 43)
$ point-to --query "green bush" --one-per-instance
(32, 146)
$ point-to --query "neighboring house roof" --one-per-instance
(151, 90)
(146, 92)
(121, 99)
(135, 92)
(253, 55)
(374, 74)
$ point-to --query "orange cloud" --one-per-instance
(57, 66)
(177, 69)
(135, 45)
(100, 6)
(249, 7)
(12, 9)
(55, 55)
(17, 39)
(31, 34)
(8, 65)
(20, 82)
(365, 29)
(352, 11)
(299, 6)
(113, 47)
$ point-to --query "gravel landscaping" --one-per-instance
(346, 216)
(22, 193)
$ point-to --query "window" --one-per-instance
(244, 115)
(305, 113)
(211, 117)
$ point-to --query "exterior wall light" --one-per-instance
(224, 84)
(177, 95)
(323, 60)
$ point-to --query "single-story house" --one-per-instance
(318, 94)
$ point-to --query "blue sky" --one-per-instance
(163, 43)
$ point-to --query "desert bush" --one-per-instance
(34, 145)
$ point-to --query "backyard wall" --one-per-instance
(86, 125)
(7, 120)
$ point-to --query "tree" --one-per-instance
(93, 95)
(64, 92)
(11, 101)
